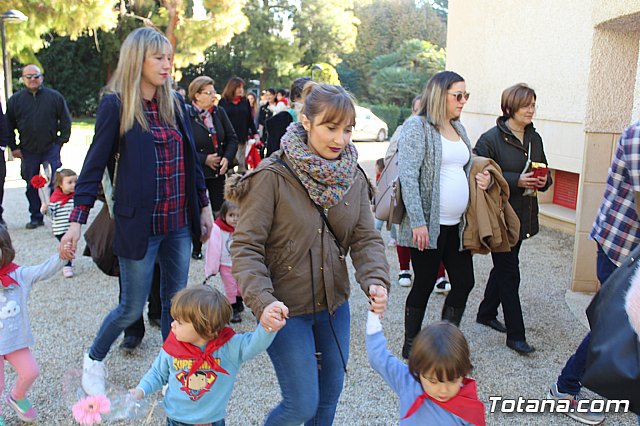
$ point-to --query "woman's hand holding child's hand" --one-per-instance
(377, 299)
(274, 316)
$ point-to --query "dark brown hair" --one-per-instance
(198, 84)
(515, 97)
(225, 208)
(204, 307)
(8, 252)
(330, 103)
(61, 174)
(229, 91)
(440, 348)
(296, 88)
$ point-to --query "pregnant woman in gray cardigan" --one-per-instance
(434, 163)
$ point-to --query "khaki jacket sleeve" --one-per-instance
(367, 248)
(248, 250)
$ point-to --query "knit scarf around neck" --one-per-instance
(326, 181)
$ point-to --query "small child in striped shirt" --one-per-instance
(60, 207)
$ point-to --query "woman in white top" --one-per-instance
(434, 163)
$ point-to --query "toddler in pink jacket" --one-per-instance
(218, 256)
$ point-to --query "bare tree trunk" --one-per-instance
(174, 7)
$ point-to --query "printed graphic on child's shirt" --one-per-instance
(8, 310)
(199, 382)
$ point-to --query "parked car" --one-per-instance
(369, 126)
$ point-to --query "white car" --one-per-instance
(369, 126)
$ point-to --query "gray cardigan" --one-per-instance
(419, 160)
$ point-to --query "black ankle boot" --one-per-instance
(239, 305)
(412, 326)
(451, 314)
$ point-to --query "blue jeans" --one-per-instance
(171, 422)
(310, 395)
(30, 167)
(173, 251)
(571, 375)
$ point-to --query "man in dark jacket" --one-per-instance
(43, 122)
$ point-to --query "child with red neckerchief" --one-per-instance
(218, 256)
(200, 359)
(60, 207)
(15, 330)
(434, 388)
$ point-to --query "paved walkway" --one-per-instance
(66, 314)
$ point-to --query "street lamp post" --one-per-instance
(314, 68)
(8, 17)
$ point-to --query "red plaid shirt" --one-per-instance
(170, 210)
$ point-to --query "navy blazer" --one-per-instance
(135, 184)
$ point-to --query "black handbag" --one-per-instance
(99, 237)
(613, 360)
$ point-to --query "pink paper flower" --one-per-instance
(87, 411)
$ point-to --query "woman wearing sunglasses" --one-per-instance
(434, 164)
(514, 144)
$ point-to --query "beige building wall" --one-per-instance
(545, 44)
(581, 57)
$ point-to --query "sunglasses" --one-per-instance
(459, 96)
(32, 76)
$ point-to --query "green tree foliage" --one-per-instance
(80, 84)
(384, 27)
(283, 40)
(397, 77)
(325, 30)
(268, 48)
(62, 17)
(327, 74)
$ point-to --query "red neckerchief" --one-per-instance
(236, 100)
(465, 404)
(58, 195)
(5, 279)
(214, 135)
(182, 350)
(224, 225)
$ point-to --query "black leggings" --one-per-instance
(427, 262)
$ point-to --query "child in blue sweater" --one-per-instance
(202, 355)
(433, 389)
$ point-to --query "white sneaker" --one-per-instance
(67, 271)
(93, 374)
(442, 285)
(404, 279)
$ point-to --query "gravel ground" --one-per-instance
(66, 314)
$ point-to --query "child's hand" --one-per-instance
(137, 393)
(274, 316)
(44, 207)
(377, 299)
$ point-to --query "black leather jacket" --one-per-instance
(227, 140)
(502, 146)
